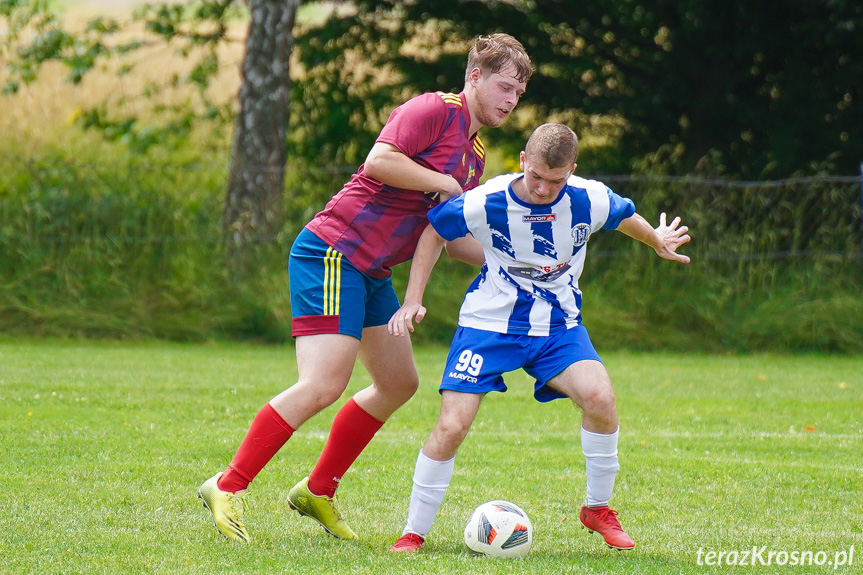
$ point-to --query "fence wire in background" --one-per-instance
(113, 249)
(55, 201)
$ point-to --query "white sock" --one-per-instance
(431, 478)
(600, 454)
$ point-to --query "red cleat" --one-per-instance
(604, 521)
(408, 543)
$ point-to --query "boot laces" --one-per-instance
(238, 503)
(608, 516)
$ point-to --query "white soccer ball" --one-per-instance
(499, 529)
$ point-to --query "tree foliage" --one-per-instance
(766, 89)
(38, 35)
(253, 199)
(748, 89)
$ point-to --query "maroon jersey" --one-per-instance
(376, 226)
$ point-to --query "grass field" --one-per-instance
(104, 444)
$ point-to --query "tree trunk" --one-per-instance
(253, 200)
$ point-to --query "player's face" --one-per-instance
(496, 95)
(543, 184)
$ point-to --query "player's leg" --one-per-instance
(324, 365)
(473, 367)
(389, 361)
(587, 384)
(326, 346)
(434, 466)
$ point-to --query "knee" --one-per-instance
(452, 432)
(401, 388)
(411, 384)
(326, 396)
(599, 403)
(304, 400)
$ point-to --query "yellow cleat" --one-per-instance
(320, 508)
(227, 508)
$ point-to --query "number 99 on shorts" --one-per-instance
(469, 362)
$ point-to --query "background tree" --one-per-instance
(100, 239)
(769, 89)
(253, 197)
(752, 90)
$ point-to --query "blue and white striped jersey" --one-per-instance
(534, 252)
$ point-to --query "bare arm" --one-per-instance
(664, 239)
(427, 253)
(467, 250)
(389, 165)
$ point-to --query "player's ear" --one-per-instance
(475, 76)
(574, 166)
(521, 160)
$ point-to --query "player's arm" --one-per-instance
(387, 164)
(467, 250)
(426, 256)
(664, 239)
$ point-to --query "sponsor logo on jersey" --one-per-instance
(538, 218)
(542, 273)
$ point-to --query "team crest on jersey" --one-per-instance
(580, 234)
(538, 218)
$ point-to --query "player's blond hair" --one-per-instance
(554, 144)
(493, 53)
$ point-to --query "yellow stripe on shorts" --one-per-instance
(332, 281)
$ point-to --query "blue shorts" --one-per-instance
(478, 359)
(330, 295)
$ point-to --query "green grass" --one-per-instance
(104, 444)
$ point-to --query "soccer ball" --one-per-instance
(499, 529)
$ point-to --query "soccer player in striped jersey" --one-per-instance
(341, 292)
(524, 311)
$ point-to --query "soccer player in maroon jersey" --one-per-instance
(341, 289)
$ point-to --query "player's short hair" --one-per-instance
(554, 144)
(493, 53)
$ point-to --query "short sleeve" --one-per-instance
(448, 219)
(619, 208)
(415, 125)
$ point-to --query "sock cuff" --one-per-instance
(599, 445)
(277, 418)
(432, 474)
(435, 461)
(352, 405)
(599, 435)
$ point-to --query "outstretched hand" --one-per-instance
(402, 321)
(671, 237)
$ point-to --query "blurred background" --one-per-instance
(157, 160)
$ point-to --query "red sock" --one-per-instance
(267, 434)
(353, 429)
